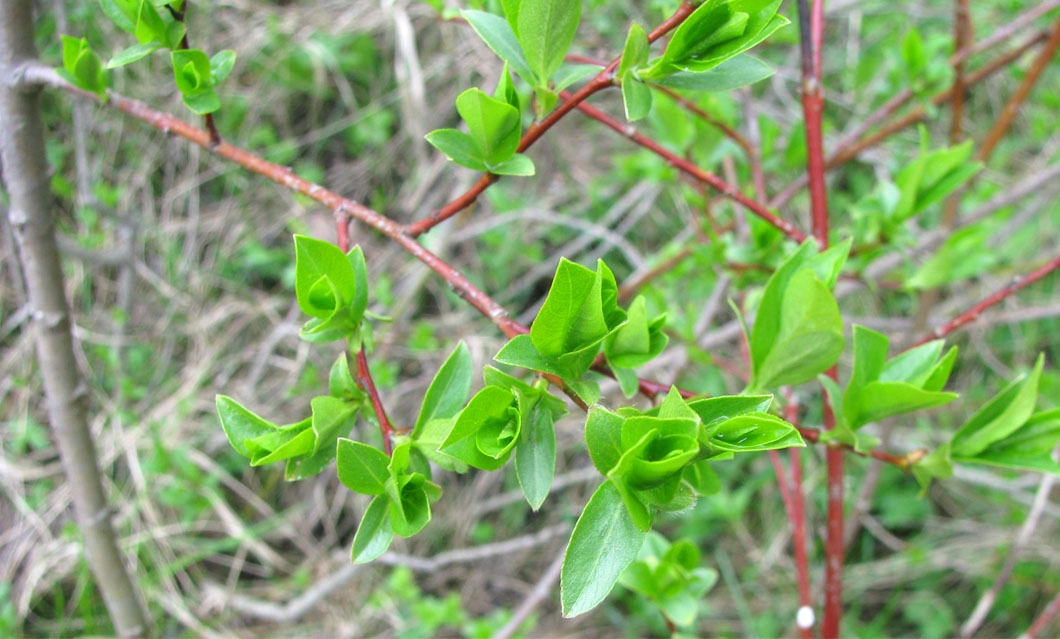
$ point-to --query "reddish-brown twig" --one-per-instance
(693, 171)
(364, 380)
(1039, 624)
(973, 313)
(599, 82)
(853, 144)
(798, 521)
(1004, 121)
(811, 34)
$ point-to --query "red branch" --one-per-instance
(811, 33)
(364, 380)
(693, 171)
(974, 312)
(1039, 624)
(599, 82)
(798, 520)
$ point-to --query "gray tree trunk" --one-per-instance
(25, 174)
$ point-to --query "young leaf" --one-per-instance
(374, 534)
(448, 390)
(500, 38)
(810, 336)
(203, 102)
(535, 454)
(340, 381)
(604, 542)
(546, 29)
(330, 415)
(520, 351)
(493, 124)
(486, 430)
(362, 468)
(132, 54)
(738, 72)
(635, 53)
(121, 12)
(1001, 416)
(191, 70)
(636, 97)
(410, 508)
(241, 424)
(572, 315)
(518, 165)
(458, 147)
(221, 65)
(603, 438)
(718, 31)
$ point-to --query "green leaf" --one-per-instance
(221, 65)
(627, 379)
(287, 442)
(493, 124)
(636, 97)
(572, 316)
(604, 542)
(637, 340)
(203, 102)
(240, 424)
(913, 54)
(322, 266)
(753, 432)
(738, 72)
(936, 464)
(505, 90)
(410, 508)
(568, 74)
(133, 53)
(500, 38)
(149, 24)
(362, 468)
(710, 409)
(448, 390)
(340, 381)
(603, 438)
(716, 32)
(879, 400)
(810, 335)
(486, 430)
(635, 52)
(546, 29)
(458, 147)
(518, 165)
(520, 351)
(191, 70)
(1000, 417)
(330, 415)
(535, 454)
(374, 534)
(702, 478)
(121, 12)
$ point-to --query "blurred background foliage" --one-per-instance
(180, 271)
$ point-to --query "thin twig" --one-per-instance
(364, 380)
(693, 171)
(598, 83)
(973, 313)
(541, 590)
(1039, 624)
(1004, 121)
